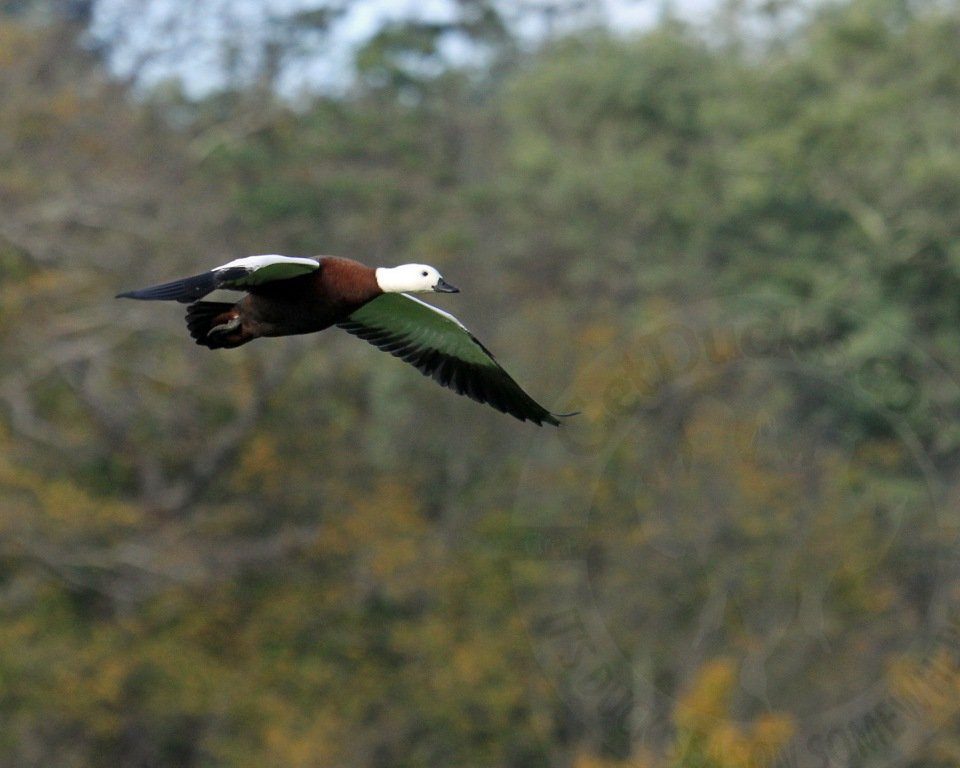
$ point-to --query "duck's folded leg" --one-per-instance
(216, 325)
(232, 324)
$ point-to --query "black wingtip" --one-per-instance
(185, 290)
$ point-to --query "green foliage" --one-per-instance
(741, 264)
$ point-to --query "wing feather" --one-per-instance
(235, 275)
(440, 346)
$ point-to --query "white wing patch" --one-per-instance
(253, 263)
(265, 269)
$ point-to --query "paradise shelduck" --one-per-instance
(286, 296)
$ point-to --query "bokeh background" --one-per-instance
(728, 234)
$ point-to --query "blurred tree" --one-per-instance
(303, 554)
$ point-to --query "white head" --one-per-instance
(412, 278)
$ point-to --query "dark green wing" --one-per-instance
(439, 346)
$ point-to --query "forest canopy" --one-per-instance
(738, 258)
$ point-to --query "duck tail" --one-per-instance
(216, 325)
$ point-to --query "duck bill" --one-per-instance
(443, 286)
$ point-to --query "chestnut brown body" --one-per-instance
(303, 304)
(310, 302)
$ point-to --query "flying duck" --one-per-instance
(286, 296)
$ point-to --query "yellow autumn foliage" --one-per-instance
(708, 732)
(739, 262)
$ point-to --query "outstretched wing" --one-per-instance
(439, 345)
(238, 274)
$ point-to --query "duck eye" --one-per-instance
(424, 273)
